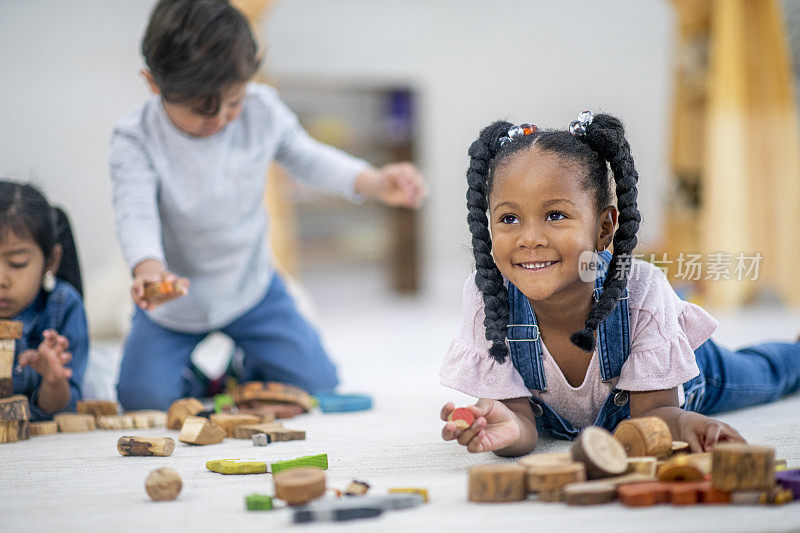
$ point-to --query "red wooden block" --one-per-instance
(463, 417)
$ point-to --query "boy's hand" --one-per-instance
(702, 432)
(495, 427)
(49, 359)
(149, 271)
(397, 184)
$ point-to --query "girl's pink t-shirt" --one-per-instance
(665, 331)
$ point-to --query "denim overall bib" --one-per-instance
(613, 344)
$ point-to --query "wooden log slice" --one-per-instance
(737, 467)
(163, 484)
(15, 407)
(554, 477)
(145, 446)
(96, 408)
(299, 485)
(229, 421)
(648, 436)
(73, 422)
(45, 427)
(497, 483)
(602, 454)
(589, 493)
(180, 410)
(679, 468)
(14, 430)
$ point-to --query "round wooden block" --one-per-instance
(589, 493)
(603, 455)
(644, 436)
(299, 485)
(680, 468)
(497, 483)
(537, 459)
(555, 476)
(163, 484)
(462, 417)
(43, 428)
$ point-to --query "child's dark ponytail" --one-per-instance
(488, 277)
(24, 211)
(606, 136)
(69, 269)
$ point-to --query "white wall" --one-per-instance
(476, 61)
(70, 69)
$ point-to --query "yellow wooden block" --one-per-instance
(419, 492)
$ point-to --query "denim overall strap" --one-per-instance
(523, 340)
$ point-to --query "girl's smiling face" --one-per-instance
(541, 219)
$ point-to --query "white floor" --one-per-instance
(390, 348)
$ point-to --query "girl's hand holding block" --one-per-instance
(495, 426)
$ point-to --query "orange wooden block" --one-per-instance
(159, 292)
(462, 417)
(644, 494)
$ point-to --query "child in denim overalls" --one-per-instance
(40, 286)
(619, 341)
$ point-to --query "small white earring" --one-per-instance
(48, 281)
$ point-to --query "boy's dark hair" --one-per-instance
(196, 49)
(24, 211)
(603, 142)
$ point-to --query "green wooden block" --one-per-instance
(234, 466)
(221, 401)
(258, 502)
(314, 461)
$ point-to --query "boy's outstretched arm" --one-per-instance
(397, 184)
(700, 431)
(504, 427)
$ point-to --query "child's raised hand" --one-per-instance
(702, 432)
(495, 427)
(49, 359)
(397, 184)
(151, 271)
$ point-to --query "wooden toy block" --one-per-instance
(780, 465)
(642, 465)
(272, 392)
(678, 446)
(356, 488)
(180, 410)
(648, 436)
(679, 468)
(158, 292)
(773, 496)
(625, 479)
(261, 439)
(10, 329)
(547, 478)
(200, 431)
(343, 403)
(236, 466)
(319, 461)
(223, 403)
(163, 484)
(643, 494)
(462, 418)
(537, 459)
(6, 368)
(114, 422)
(96, 408)
(275, 430)
(15, 407)
(675, 492)
(299, 485)
(258, 502)
(710, 495)
(701, 461)
(602, 454)
(145, 446)
(737, 466)
(790, 479)
(14, 430)
(335, 511)
(422, 493)
(147, 418)
(45, 427)
(73, 422)
(589, 493)
(266, 412)
(497, 483)
(229, 421)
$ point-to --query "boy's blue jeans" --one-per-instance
(754, 375)
(278, 344)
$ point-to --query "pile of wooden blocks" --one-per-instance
(639, 465)
(15, 413)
